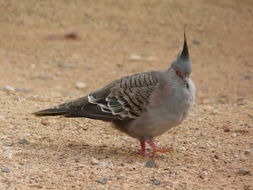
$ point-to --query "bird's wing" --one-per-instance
(129, 97)
(122, 99)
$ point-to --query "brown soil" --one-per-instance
(48, 46)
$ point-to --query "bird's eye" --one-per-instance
(177, 72)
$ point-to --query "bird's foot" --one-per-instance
(143, 150)
(142, 153)
(153, 153)
(156, 149)
(161, 150)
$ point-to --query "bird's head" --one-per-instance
(182, 65)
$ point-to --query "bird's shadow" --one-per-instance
(74, 150)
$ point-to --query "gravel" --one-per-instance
(102, 180)
(135, 57)
(22, 141)
(156, 182)
(226, 128)
(94, 161)
(5, 170)
(8, 144)
(105, 164)
(243, 171)
(196, 42)
(22, 90)
(150, 164)
(80, 85)
(8, 88)
(247, 152)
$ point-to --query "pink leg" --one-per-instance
(156, 149)
(143, 150)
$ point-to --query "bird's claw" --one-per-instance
(161, 150)
(153, 154)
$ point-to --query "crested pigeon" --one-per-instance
(143, 105)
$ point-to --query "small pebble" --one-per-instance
(65, 65)
(102, 180)
(201, 176)
(105, 164)
(247, 77)
(200, 28)
(195, 42)
(77, 160)
(150, 164)
(156, 182)
(22, 90)
(247, 152)
(226, 128)
(45, 122)
(8, 155)
(247, 187)
(80, 85)
(94, 161)
(22, 141)
(243, 171)
(71, 36)
(135, 57)
(5, 170)
(8, 88)
(8, 144)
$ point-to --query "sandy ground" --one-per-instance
(213, 148)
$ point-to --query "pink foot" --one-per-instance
(156, 149)
(143, 150)
(152, 154)
(141, 153)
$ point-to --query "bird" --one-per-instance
(143, 105)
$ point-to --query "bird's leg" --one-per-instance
(156, 149)
(143, 150)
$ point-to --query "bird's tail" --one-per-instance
(91, 111)
(64, 109)
(51, 112)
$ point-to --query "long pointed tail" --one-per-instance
(51, 112)
(92, 112)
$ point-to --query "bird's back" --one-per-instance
(168, 106)
(122, 99)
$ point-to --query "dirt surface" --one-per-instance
(46, 47)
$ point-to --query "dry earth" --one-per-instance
(212, 148)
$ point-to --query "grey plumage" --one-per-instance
(143, 105)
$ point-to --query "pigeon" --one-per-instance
(142, 105)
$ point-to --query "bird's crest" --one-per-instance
(185, 51)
